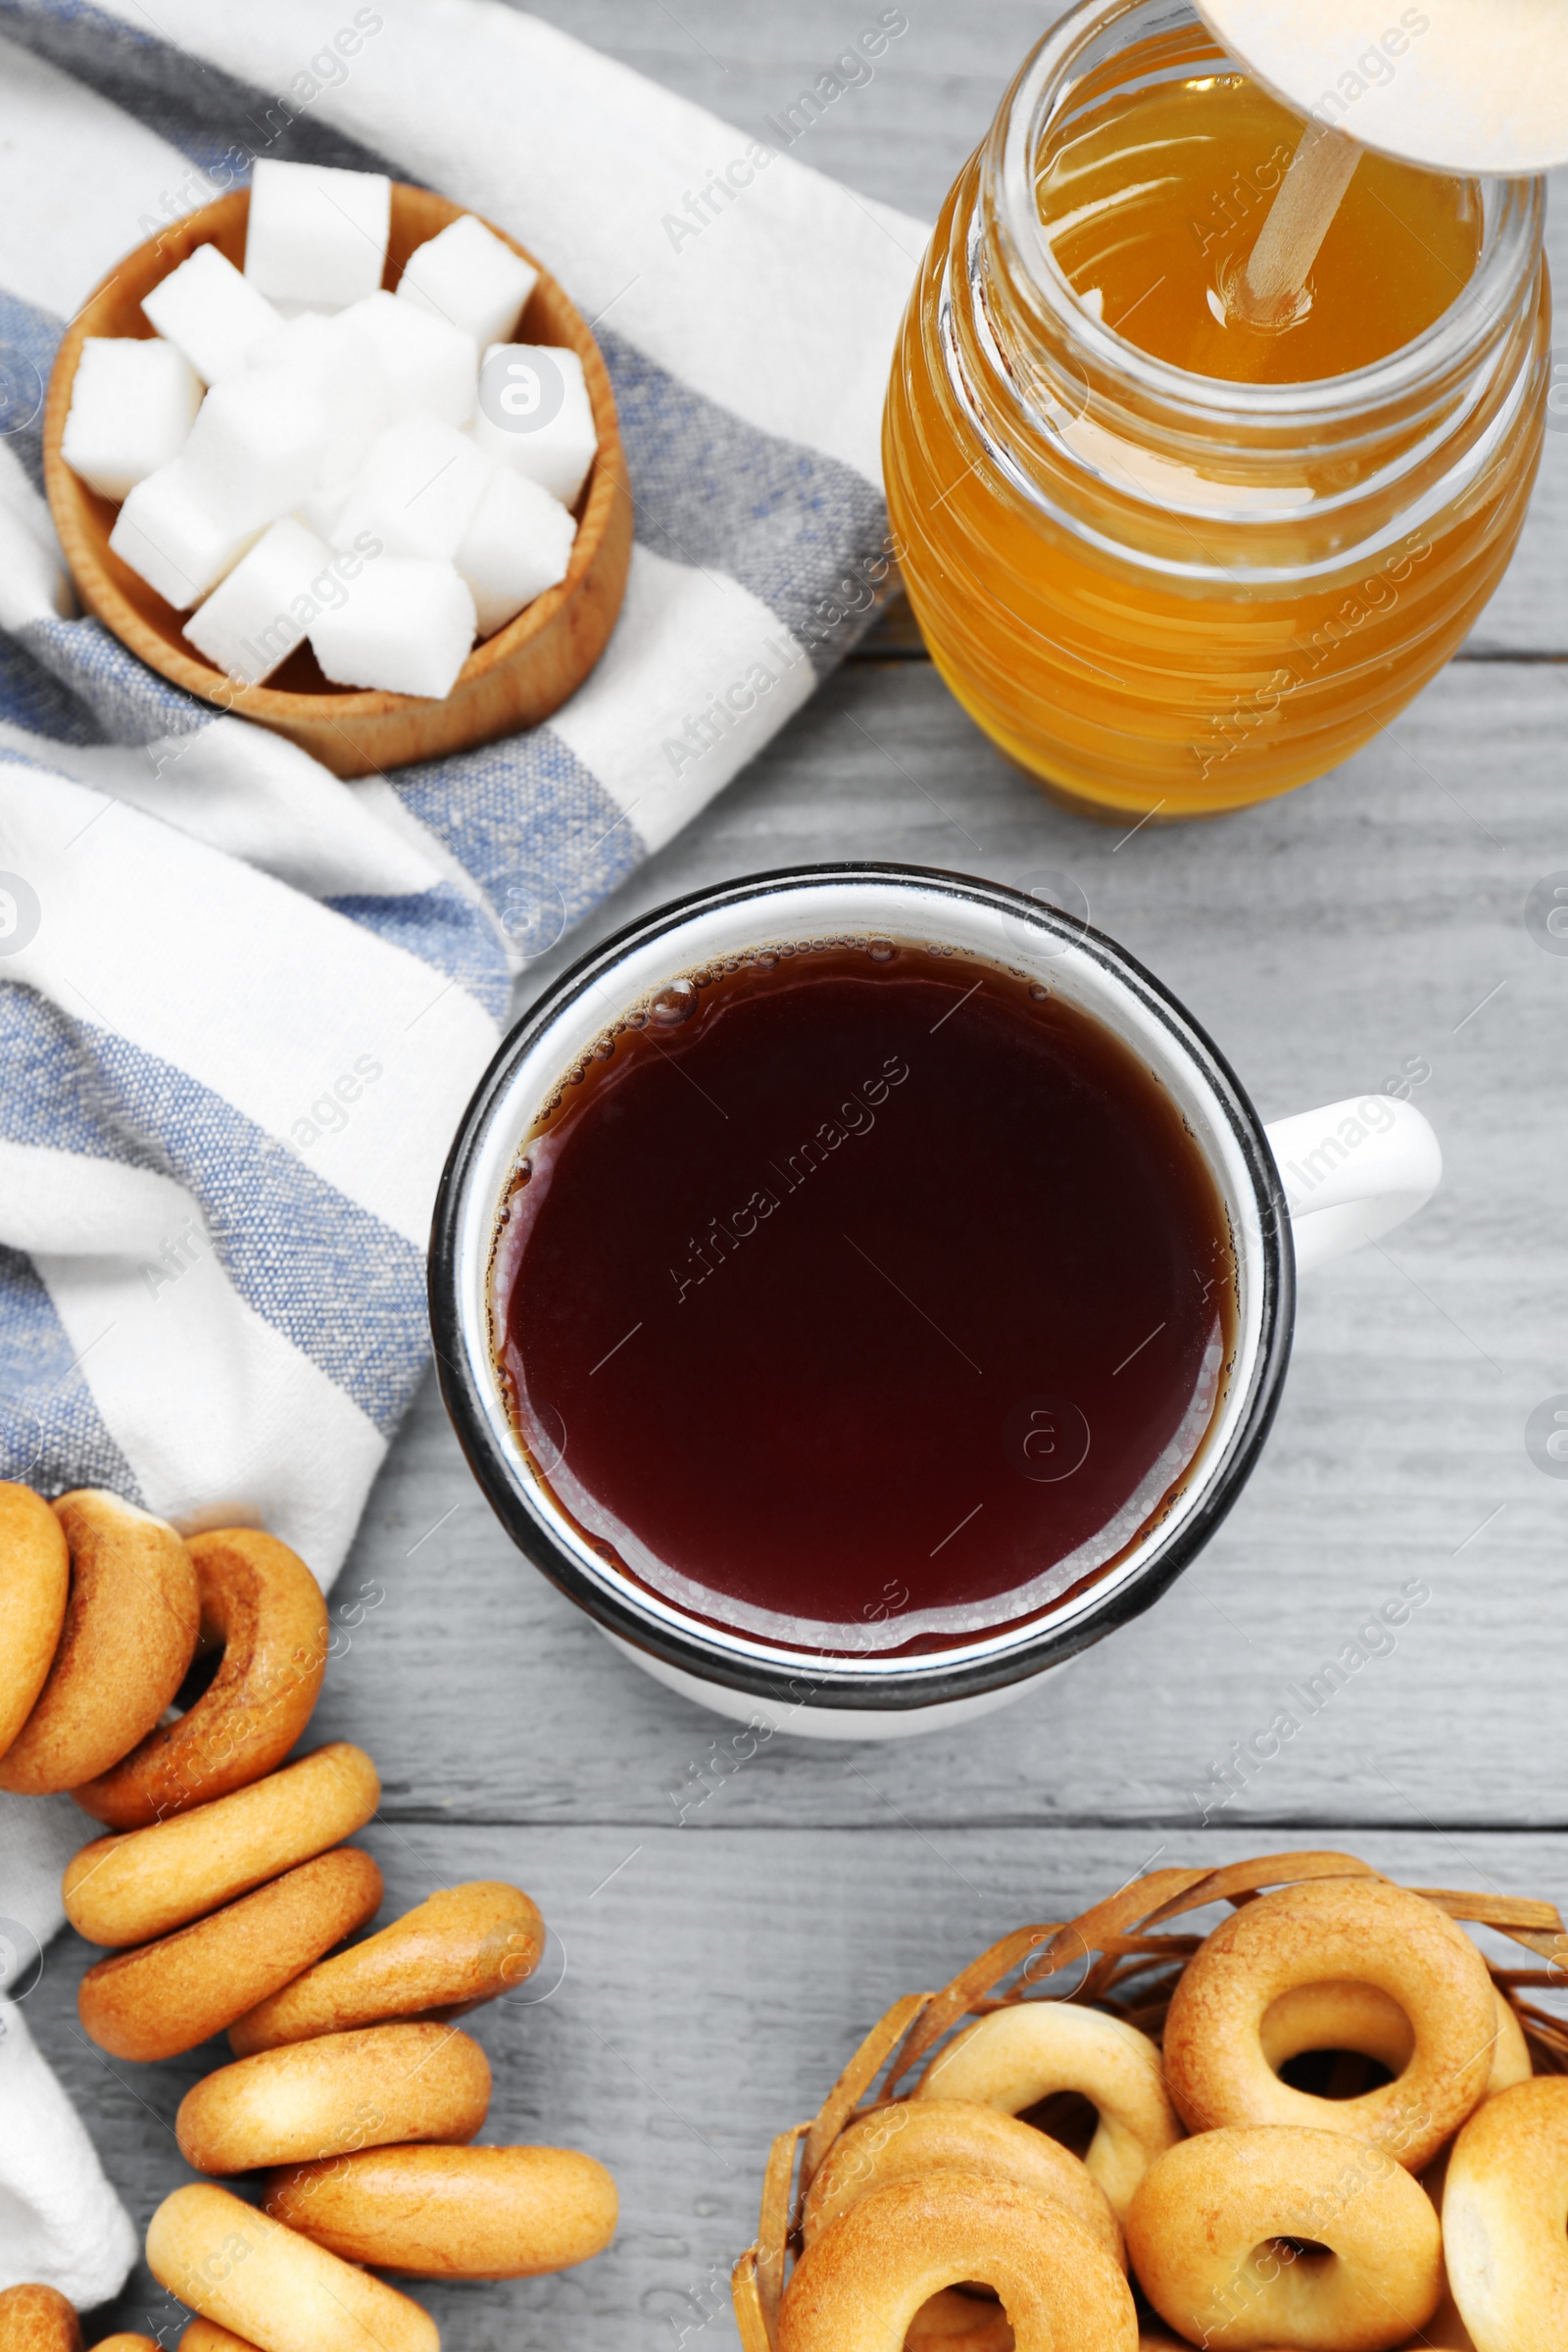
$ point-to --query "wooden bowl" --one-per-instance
(510, 680)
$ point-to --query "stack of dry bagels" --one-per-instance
(1431, 2211)
(224, 1890)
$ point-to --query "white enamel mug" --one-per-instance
(1297, 1194)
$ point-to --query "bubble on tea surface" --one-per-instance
(890, 1602)
(1054, 893)
(881, 951)
(1045, 1438)
(674, 1004)
(547, 1439)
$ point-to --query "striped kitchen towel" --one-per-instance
(242, 1004)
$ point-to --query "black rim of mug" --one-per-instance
(813, 1681)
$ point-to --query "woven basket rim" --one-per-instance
(1121, 1941)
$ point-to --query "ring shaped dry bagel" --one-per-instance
(35, 2319)
(953, 2321)
(166, 1996)
(1340, 2015)
(922, 2137)
(858, 2288)
(1433, 2182)
(264, 1609)
(1505, 2219)
(1444, 2331)
(271, 2287)
(453, 2213)
(1511, 2061)
(1018, 2056)
(130, 1888)
(128, 1634)
(205, 2336)
(1221, 2228)
(124, 2343)
(463, 1945)
(34, 1583)
(1325, 1931)
(1347, 2016)
(340, 2091)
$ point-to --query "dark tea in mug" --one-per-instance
(862, 1295)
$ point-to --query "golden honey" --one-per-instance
(1171, 562)
(1151, 205)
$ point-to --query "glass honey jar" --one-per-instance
(1174, 564)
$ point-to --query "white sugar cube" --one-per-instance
(317, 235)
(321, 508)
(418, 490)
(469, 277)
(211, 313)
(407, 627)
(170, 536)
(430, 363)
(331, 360)
(132, 405)
(326, 356)
(256, 447)
(517, 545)
(255, 618)
(534, 415)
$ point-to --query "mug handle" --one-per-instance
(1351, 1171)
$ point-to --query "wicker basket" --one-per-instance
(1131, 1965)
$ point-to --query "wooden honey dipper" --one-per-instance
(1479, 87)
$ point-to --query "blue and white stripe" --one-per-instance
(211, 1220)
(236, 1038)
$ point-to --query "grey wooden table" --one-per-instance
(717, 1970)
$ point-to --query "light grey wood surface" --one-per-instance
(720, 1969)
(1324, 941)
(713, 1987)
